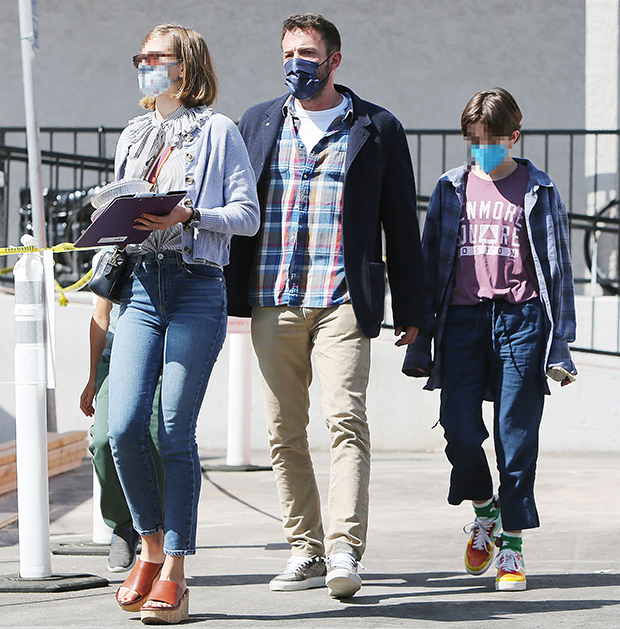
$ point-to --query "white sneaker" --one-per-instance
(301, 573)
(342, 579)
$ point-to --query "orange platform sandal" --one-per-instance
(172, 594)
(141, 580)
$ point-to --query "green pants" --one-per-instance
(114, 507)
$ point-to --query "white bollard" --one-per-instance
(239, 392)
(102, 533)
(50, 339)
(31, 434)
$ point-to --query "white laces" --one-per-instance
(295, 564)
(481, 528)
(344, 560)
(509, 561)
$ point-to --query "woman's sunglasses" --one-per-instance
(150, 58)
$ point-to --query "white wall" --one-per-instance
(601, 100)
(583, 417)
(422, 59)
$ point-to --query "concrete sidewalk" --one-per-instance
(414, 576)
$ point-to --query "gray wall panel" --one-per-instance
(421, 59)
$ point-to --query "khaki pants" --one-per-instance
(284, 339)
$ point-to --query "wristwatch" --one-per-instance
(193, 220)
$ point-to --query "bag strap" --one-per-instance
(155, 169)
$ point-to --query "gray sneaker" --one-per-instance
(122, 555)
(301, 573)
(342, 579)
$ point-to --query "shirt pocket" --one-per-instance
(334, 163)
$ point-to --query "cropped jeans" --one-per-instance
(499, 346)
(173, 322)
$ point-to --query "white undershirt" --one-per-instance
(314, 124)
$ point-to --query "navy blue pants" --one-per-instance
(499, 346)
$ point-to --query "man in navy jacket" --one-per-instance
(333, 173)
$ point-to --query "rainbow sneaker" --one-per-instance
(510, 571)
(481, 546)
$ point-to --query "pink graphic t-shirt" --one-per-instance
(494, 259)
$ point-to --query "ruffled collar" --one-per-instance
(181, 121)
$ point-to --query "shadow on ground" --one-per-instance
(428, 581)
(441, 611)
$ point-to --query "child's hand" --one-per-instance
(409, 336)
(86, 399)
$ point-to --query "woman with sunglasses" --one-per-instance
(173, 317)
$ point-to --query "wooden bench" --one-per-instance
(64, 452)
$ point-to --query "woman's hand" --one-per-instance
(152, 222)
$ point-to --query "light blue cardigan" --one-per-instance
(219, 181)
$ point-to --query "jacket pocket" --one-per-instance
(375, 286)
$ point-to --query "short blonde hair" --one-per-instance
(199, 82)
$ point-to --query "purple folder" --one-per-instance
(114, 226)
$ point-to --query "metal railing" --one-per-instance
(74, 160)
(559, 152)
(93, 141)
(584, 165)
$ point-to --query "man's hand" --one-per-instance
(409, 336)
(152, 222)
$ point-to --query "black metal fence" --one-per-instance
(584, 165)
(74, 162)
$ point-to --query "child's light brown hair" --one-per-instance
(496, 109)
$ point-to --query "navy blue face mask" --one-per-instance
(301, 77)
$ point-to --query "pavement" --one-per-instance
(414, 573)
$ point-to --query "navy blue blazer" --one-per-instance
(379, 191)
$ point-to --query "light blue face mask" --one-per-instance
(154, 80)
(489, 156)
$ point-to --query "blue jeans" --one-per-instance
(173, 322)
(499, 346)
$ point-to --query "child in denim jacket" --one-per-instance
(500, 290)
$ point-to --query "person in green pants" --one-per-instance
(94, 403)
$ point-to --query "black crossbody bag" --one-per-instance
(110, 274)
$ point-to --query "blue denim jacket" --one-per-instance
(547, 228)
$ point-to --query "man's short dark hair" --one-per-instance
(313, 21)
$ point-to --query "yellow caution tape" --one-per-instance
(69, 289)
(59, 248)
(7, 251)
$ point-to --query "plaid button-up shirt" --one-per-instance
(299, 257)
